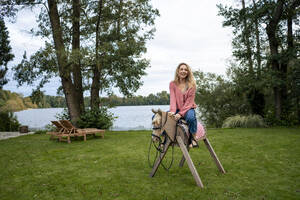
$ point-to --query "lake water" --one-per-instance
(129, 117)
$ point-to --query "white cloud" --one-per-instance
(187, 31)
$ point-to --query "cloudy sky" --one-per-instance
(187, 31)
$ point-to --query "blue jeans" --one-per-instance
(190, 118)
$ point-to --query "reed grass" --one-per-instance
(238, 121)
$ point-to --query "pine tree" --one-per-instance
(5, 52)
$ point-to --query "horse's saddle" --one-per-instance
(183, 131)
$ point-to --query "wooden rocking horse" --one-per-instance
(175, 134)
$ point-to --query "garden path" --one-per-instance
(6, 135)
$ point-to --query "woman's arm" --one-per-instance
(189, 103)
(173, 107)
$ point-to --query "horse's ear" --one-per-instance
(159, 111)
(154, 111)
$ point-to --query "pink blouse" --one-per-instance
(183, 101)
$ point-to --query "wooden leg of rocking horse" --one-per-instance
(214, 155)
(183, 158)
(160, 157)
(189, 161)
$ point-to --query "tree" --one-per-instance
(5, 52)
(218, 98)
(9, 8)
(119, 31)
(268, 26)
(119, 45)
(246, 51)
(278, 58)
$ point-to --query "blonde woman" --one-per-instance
(182, 96)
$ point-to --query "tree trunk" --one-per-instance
(76, 67)
(97, 68)
(290, 39)
(285, 61)
(247, 40)
(63, 67)
(273, 45)
(258, 56)
(289, 55)
(119, 19)
(298, 108)
(294, 5)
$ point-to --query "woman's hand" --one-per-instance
(171, 114)
(177, 117)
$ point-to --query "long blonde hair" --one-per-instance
(190, 77)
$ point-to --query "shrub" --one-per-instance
(101, 118)
(218, 98)
(64, 115)
(40, 132)
(290, 119)
(50, 128)
(250, 121)
(8, 122)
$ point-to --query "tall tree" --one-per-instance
(257, 38)
(64, 66)
(246, 37)
(95, 87)
(244, 20)
(269, 25)
(271, 30)
(120, 45)
(5, 52)
(76, 64)
(279, 58)
(99, 41)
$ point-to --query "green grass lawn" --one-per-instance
(260, 164)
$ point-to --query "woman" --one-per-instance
(182, 96)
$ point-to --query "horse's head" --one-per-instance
(156, 124)
(163, 122)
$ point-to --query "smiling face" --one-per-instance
(183, 72)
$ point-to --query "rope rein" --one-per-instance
(161, 145)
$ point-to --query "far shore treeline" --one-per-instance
(11, 101)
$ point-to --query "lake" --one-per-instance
(129, 117)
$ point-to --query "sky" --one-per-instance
(187, 31)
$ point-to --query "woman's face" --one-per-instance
(183, 72)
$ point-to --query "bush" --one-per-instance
(8, 122)
(218, 98)
(251, 121)
(64, 115)
(40, 132)
(290, 119)
(100, 118)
